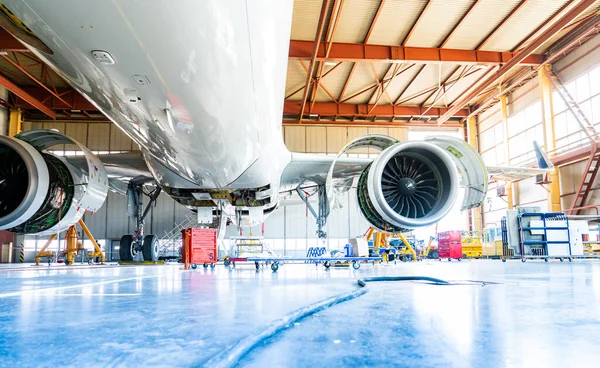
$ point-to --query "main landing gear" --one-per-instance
(138, 247)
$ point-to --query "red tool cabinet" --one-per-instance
(199, 247)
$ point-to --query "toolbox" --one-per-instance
(199, 247)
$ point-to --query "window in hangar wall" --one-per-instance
(586, 91)
(524, 127)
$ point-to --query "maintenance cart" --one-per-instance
(326, 261)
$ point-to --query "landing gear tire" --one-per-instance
(150, 248)
(126, 248)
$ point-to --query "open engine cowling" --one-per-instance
(409, 185)
(40, 192)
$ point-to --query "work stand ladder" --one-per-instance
(170, 244)
(593, 163)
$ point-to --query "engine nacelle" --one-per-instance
(409, 185)
(41, 193)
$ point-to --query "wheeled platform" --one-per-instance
(326, 261)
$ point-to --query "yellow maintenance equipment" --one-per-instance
(472, 246)
(432, 250)
(72, 247)
(492, 243)
(407, 251)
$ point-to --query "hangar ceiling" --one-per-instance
(372, 62)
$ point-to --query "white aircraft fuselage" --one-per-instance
(199, 85)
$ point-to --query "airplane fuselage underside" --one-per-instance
(201, 93)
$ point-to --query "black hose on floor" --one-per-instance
(231, 356)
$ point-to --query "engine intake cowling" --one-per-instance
(40, 192)
(409, 185)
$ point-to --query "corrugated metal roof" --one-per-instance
(460, 86)
(522, 23)
(395, 21)
(452, 76)
(305, 19)
(429, 77)
(399, 83)
(591, 10)
(437, 21)
(481, 21)
(355, 20)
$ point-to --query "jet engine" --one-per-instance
(409, 185)
(42, 193)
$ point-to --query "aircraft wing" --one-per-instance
(311, 170)
(510, 173)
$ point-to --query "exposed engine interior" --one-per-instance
(409, 185)
(40, 191)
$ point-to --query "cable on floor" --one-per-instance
(231, 356)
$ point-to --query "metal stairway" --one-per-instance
(170, 243)
(593, 162)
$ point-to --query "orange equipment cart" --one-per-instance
(199, 247)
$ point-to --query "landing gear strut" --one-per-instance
(323, 210)
(138, 247)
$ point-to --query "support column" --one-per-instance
(475, 213)
(554, 204)
(504, 109)
(509, 185)
(15, 124)
(509, 196)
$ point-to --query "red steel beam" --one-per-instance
(365, 41)
(519, 57)
(355, 52)
(9, 85)
(22, 70)
(563, 9)
(76, 101)
(588, 31)
(313, 55)
(335, 11)
(384, 87)
(362, 110)
(369, 123)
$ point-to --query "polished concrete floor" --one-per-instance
(525, 315)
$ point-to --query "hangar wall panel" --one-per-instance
(98, 136)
